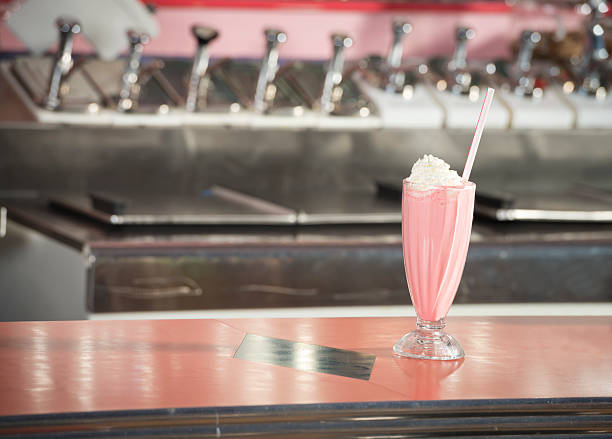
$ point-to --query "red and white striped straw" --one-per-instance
(482, 118)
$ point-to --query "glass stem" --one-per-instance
(429, 331)
(429, 325)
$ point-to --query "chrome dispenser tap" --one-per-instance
(595, 54)
(529, 39)
(459, 59)
(333, 77)
(128, 92)
(400, 28)
(63, 62)
(525, 81)
(267, 72)
(204, 35)
(456, 78)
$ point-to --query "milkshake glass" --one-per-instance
(436, 226)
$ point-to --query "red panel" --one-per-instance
(339, 5)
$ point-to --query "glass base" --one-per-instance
(429, 342)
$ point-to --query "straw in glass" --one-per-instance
(482, 118)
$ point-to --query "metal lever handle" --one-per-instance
(396, 79)
(595, 53)
(400, 28)
(333, 77)
(204, 36)
(269, 67)
(596, 47)
(594, 63)
(525, 80)
(459, 59)
(2, 222)
(63, 63)
(529, 39)
(129, 79)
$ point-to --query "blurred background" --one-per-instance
(199, 158)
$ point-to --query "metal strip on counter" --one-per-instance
(546, 418)
(305, 356)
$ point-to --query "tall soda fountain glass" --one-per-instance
(437, 212)
(436, 226)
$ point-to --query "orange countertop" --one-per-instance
(86, 366)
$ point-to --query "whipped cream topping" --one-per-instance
(430, 171)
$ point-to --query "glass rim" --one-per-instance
(468, 185)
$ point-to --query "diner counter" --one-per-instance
(329, 376)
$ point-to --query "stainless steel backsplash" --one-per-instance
(188, 160)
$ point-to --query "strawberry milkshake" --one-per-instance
(437, 211)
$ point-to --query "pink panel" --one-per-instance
(8, 41)
(309, 30)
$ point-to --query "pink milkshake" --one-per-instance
(436, 226)
(437, 211)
